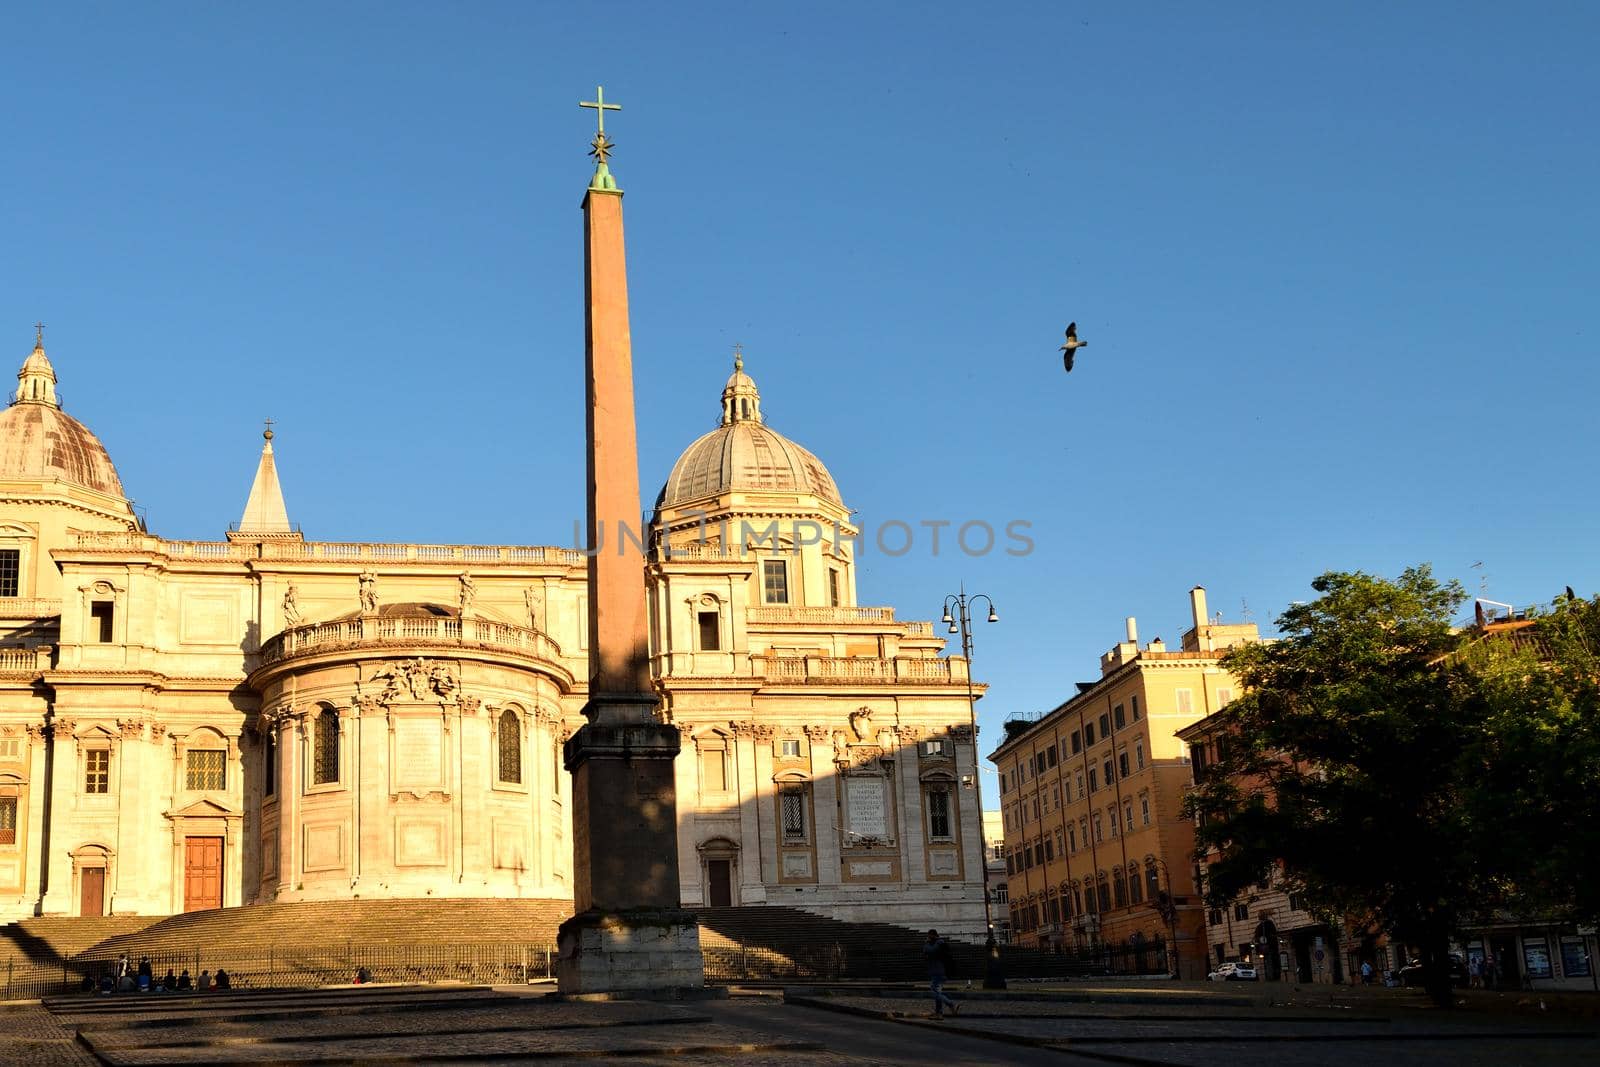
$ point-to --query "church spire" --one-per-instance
(264, 513)
(36, 381)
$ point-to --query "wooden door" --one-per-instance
(720, 874)
(92, 891)
(202, 873)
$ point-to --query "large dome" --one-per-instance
(39, 441)
(744, 454)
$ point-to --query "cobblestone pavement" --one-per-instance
(32, 1037)
(1171, 1034)
(855, 1027)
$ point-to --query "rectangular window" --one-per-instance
(789, 748)
(1214, 917)
(100, 620)
(1224, 697)
(775, 581)
(1072, 838)
(1105, 726)
(1133, 704)
(939, 813)
(1241, 912)
(1127, 811)
(938, 748)
(8, 820)
(794, 814)
(1122, 764)
(204, 770)
(833, 587)
(1094, 782)
(1080, 786)
(1109, 778)
(97, 771)
(1574, 958)
(10, 570)
(269, 764)
(1077, 743)
(10, 748)
(1114, 821)
(1138, 753)
(1185, 699)
(710, 631)
(1050, 756)
(1088, 735)
(1144, 810)
(1099, 834)
(1117, 717)
(714, 771)
(1049, 850)
(1002, 781)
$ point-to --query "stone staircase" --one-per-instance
(470, 940)
(775, 943)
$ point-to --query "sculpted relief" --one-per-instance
(415, 679)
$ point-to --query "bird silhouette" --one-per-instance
(1572, 598)
(1070, 349)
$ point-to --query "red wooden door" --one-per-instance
(202, 873)
(92, 891)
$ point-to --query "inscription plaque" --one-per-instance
(867, 802)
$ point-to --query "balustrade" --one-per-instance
(823, 670)
(409, 629)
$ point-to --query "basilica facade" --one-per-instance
(200, 724)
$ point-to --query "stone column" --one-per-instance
(828, 811)
(57, 899)
(629, 931)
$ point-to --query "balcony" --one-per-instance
(325, 551)
(409, 629)
(25, 660)
(860, 670)
(29, 607)
(786, 615)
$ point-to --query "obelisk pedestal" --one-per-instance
(630, 933)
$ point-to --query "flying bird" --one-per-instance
(1070, 349)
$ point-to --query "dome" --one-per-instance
(743, 454)
(40, 441)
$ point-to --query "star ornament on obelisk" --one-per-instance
(629, 931)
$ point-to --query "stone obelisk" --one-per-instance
(630, 932)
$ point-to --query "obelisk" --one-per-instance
(630, 932)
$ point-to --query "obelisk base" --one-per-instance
(631, 933)
(637, 953)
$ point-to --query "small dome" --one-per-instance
(745, 454)
(40, 441)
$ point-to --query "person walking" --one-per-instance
(937, 954)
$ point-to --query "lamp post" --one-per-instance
(1167, 907)
(961, 623)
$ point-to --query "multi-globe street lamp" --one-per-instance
(960, 622)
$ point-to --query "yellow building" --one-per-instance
(195, 724)
(1098, 853)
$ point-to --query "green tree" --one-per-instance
(1537, 761)
(1349, 765)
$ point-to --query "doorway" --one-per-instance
(719, 873)
(92, 891)
(202, 873)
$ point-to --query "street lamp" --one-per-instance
(960, 622)
(1166, 906)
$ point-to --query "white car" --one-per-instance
(1233, 972)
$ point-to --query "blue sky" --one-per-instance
(1336, 267)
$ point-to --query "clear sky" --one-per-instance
(1335, 265)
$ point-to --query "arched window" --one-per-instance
(510, 747)
(325, 763)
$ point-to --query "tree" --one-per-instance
(1349, 765)
(1537, 761)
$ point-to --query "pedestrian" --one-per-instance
(1366, 972)
(937, 954)
(205, 981)
(145, 973)
(185, 983)
(222, 980)
(122, 967)
(1475, 972)
(1491, 970)
(169, 984)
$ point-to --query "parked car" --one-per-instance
(1232, 972)
(1411, 973)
